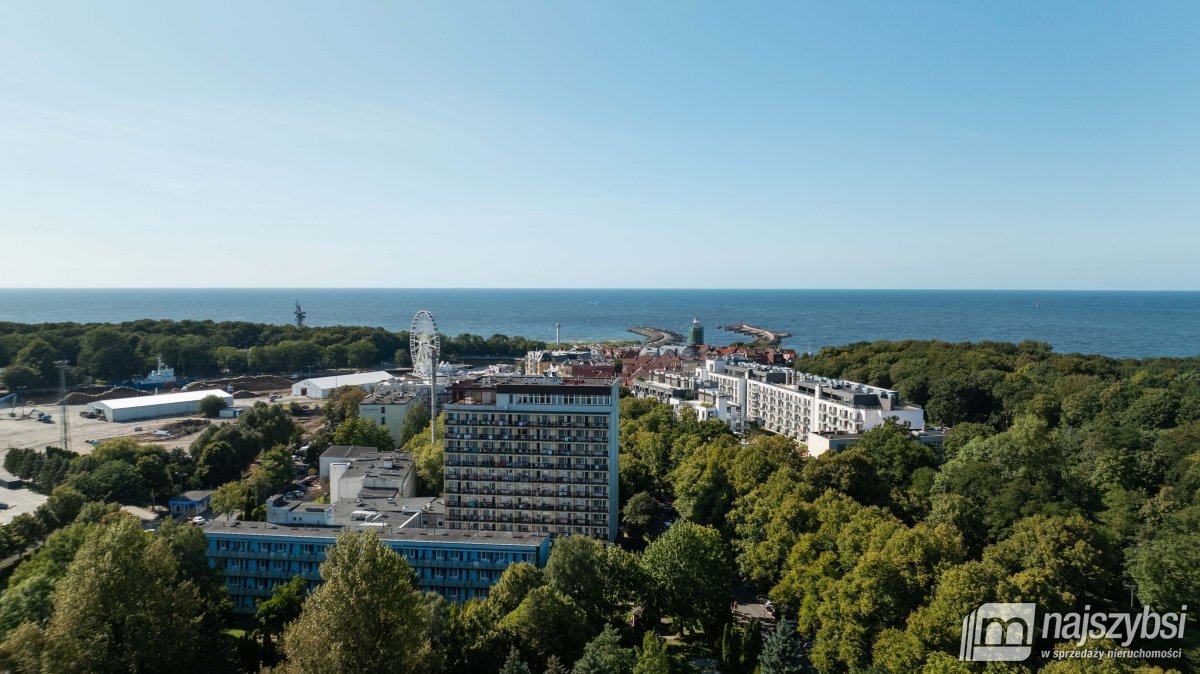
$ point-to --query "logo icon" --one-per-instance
(998, 632)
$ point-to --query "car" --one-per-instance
(3, 506)
(198, 520)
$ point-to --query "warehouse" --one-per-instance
(321, 387)
(153, 407)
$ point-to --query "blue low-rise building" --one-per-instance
(254, 557)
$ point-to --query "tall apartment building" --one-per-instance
(532, 454)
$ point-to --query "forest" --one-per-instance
(1065, 480)
(117, 351)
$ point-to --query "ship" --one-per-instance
(160, 377)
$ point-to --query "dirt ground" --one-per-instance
(15, 432)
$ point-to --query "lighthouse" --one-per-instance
(696, 334)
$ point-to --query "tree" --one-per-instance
(416, 420)
(427, 455)
(105, 352)
(604, 655)
(639, 513)
(548, 624)
(513, 664)
(217, 464)
(120, 607)
(364, 433)
(367, 616)
(283, 606)
(691, 566)
(576, 569)
(19, 376)
(362, 353)
(517, 581)
(211, 406)
(652, 657)
(782, 652)
(1166, 569)
(342, 404)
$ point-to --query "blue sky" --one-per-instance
(569, 144)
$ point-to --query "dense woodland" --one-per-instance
(1066, 480)
(114, 352)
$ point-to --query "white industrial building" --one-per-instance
(321, 387)
(153, 407)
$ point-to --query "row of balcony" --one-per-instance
(545, 507)
(522, 452)
(546, 465)
(545, 479)
(451, 420)
(471, 488)
(526, 519)
(527, 437)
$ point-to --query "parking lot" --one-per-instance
(19, 501)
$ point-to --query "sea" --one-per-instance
(1119, 324)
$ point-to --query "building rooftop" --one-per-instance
(162, 399)
(355, 379)
(223, 525)
(195, 495)
(389, 398)
(355, 452)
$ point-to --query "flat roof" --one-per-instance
(389, 398)
(163, 399)
(433, 536)
(354, 379)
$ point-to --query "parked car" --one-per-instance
(3, 506)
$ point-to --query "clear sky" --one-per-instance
(569, 144)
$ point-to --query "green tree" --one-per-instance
(342, 404)
(281, 608)
(18, 376)
(604, 655)
(782, 652)
(364, 433)
(576, 569)
(217, 464)
(652, 657)
(416, 421)
(513, 664)
(639, 514)
(1166, 569)
(517, 581)
(690, 564)
(120, 607)
(548, 624)
(211, 406)
(367, 616)
(362, 353)
(105, 353)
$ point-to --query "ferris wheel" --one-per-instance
(424, 344)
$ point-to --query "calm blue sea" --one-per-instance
(1138, 324)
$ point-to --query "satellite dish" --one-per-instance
(424, 344)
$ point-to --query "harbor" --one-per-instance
(657, 336)
(760, 335)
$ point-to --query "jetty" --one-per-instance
(760, 335)
(657, 336)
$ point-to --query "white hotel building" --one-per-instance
(802, 406)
